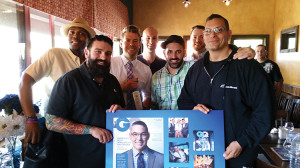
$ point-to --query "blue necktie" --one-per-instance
(140, 161)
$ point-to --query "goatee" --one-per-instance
(175, 65)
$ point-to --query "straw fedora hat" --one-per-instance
(77, 22)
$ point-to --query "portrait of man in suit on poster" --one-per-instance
(141, 156)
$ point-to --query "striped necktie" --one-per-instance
(130, 102)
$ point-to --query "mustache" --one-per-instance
(101, 61)
(174, 59)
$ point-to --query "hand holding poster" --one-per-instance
(165, 138)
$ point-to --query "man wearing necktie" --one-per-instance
(133, 75)
(172, 128)
(141, 156)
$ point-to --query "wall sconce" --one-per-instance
(227, 2)
(186, 3)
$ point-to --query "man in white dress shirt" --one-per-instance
(130, 44)
(198, 44)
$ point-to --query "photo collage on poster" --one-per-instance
(203, 140)
(178, 139)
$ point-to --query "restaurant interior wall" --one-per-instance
(171, 17)
(245, 18)
(286, 16)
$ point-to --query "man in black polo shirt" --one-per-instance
(78, 104)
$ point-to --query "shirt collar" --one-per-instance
(135, 152)
(125, 60)
(179, 69)
(74, 57)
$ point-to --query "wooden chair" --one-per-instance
(284, 108)
(295, 114)
(282, 101)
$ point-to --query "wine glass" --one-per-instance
(288, 141)
(289, 126)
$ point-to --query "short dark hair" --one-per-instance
(213, 16)
(261, 45)
(197, 27)
(132, 29)
(173, 39)
(140, 123)
(99, 38)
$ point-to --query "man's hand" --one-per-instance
(202, 108)
(113, 108)
(147, 103)
(233, 150)
(131, 84)
(245, 52)
(101, 134)
(32, 133)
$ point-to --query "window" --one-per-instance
(116, 47)
(188, 45)
(40, 37)
(250, 40)
(159, 50)
(12, 60)
(60, 41)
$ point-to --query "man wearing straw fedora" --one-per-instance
(54, 63)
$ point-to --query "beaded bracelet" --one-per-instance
(30, 117)
(31, 122)
(33, 119)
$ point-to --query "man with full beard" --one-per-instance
(78, 103)
(168, 81)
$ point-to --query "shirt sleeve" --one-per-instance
(41, 67)
(276, 74)
(261, 99)
(154, 104)
(147, 90)
(185, 100)
(61, 99)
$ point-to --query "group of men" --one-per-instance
(178, 130)
(88, 81)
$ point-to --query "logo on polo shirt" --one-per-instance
(228, 87)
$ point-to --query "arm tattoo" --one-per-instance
(65, 126)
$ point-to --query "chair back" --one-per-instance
(289, 108)
(295, 116)
(282, 101)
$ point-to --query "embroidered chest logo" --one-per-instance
(228, 87)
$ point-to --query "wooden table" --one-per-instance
(272, 140)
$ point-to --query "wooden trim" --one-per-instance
(291, 89)
(52, 29)
(27, 35)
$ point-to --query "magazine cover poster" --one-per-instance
(165, 139)
(131, 134)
